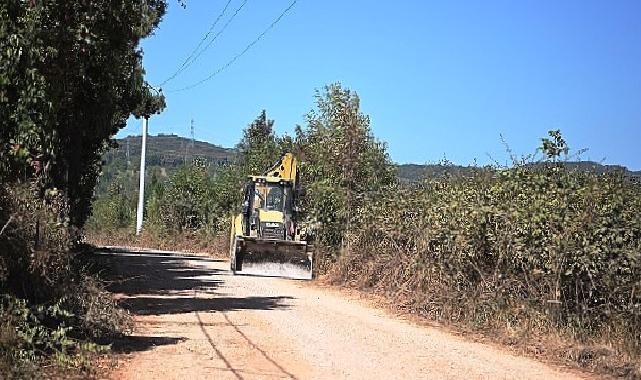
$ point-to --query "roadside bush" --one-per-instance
(50, 310)
(112, 212)
(537, 248)
(186, 202)
(35, 242)
(34, 335)
(189, 211)
(95, 314)
(197, 202)
(342, 161)
(69, 80)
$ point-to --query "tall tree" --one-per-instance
(259, 147)
(343, 160)
(71, 75)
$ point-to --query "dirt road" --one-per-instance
(194, 320)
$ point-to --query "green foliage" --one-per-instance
(533, 247)
(259, 147)
(49, 308)
(227, 192)
(69, 79)
(197, 197)
(258, 150)
(34, 243)
(342, 162)
(554, 146)
(115, 210)
(186, 202)
(191, 200)
(32, 335)
(23, 102)
(70, 76)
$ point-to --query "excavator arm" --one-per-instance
(286, 168)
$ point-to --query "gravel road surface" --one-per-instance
(194, 320)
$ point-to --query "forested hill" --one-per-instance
(167, 153)
(416, 172)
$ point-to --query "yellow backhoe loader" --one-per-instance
(266, 237)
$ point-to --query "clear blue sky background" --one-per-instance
(437, 78)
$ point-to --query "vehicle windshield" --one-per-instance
(272, 197)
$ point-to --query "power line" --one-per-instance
(220, 32)
(190, 57)
(249, 46)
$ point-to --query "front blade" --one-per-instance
(276, 258)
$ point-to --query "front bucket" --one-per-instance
(275, 258)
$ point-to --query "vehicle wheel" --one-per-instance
(239, 259)
(232, 255)
(236, 262)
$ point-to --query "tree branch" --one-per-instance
(6, 224)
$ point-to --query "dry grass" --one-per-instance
(552, 347)
(191, 242)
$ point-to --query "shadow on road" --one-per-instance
(157, 284)
(141, 343)
(133, 274)
(173, 305)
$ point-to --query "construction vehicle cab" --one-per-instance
(267, 237)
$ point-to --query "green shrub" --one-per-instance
(34, 335)
(534, 248)
(186, 202)
(112, 212)
(342, 162)
(34, 245)
(50, 309)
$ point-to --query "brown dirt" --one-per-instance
(194, 320)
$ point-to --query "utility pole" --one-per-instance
(128, 159)
(192, 133)
(190, 145)
(184, 145)
(141, 190)
(143, 149)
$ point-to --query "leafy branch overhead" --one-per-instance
(70, 77)
(152, 102)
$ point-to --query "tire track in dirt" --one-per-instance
(255, 347)
(213, 345)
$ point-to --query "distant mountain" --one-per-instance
(416, 172)
(169, 150)
(167, 153)
(602, 169)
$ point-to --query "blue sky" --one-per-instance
(438, 79)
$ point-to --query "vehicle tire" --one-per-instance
(232, 254)
(236, 259)
(239, 259)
